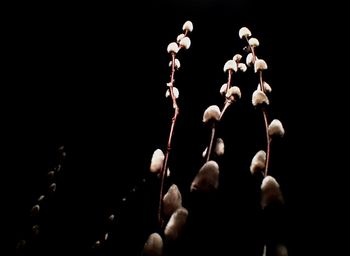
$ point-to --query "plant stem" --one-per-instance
(173, 122)
(228, 80)
(268, 141)
(251, 49)
(211, 141)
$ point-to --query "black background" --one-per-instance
(93, 78)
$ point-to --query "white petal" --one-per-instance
(230, 64)
(244, 32)
(176, 93)
(211, 113)
(153, 245)
(179, 37)
(258, 162)
(223, 89)
(177, 63)
(157, 161)
(276, 128)
(220, 147)
(234, 93)
(185, 42)
(207, 178)
(173, 47)
(188, 25)
(172, 200)
(267, 87)
(176, 224)
(260, 65)
(242, 67)
(259, 98)
(237, 58)
(270, 192)
(249, 59)
(253, 42)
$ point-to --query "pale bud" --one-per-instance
(267, 87)
(177, 64)
(176, 224)
(260, 65)
(276, 128)
(179, 37)
(259, 98)
(157, 161)
(220, 147)
(244, 32)
(237, 58)
(207, 178)
(153, 245)
(173, 47)
(176, 93)
(258, 162)
(185, 42)
(188, 25)
(253, 42)
(250, 59)
(211, 113)
(234, 93)
(223, 89)
(242, 67)
(270, 192)
(172, 200)
(230, 65)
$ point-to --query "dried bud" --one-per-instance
(258, 162)
(244, 32)
(172, 200)
(188, 25)
(211, 113)
(230, 65)
(153, 245)
(177, 63)
(276, 129)
(259, 98)
(176, 224)
(260, 65)
(173, 48)
(157, 161)
(207, 178)
(176, 93)
(253, 42)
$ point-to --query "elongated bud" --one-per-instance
(237, 58)
(220, 147)
(173, 47)
(207, 178)
(185, 42)
(223, 89)
(157, 161)
(176, 93)
(244, 32)
(259, 98)
(188, 25)
(230, 65)
(153, 245)
(253, 42)
(234, 93)
(270, 192)
(267, 87)
(276, 128)
(176, 224)
(179, 37)
(258, 162)
(211, 113)
(172, 200)
(177, 64)
(260, 65)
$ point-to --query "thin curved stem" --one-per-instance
(211, 142)
(262, 87)
(173, 122)
(268, 142)
(229, 80)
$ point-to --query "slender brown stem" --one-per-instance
(211, 142)
(268, 141)
(251, 49)
(173, 122)
(227, 104)
(262, 87)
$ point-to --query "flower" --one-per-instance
(259, 98)
(244, 32)
(211, 113)
(276, 128)
(173, 48)
(176, 93)
(185, 42)
(230, 65)
(188, 25)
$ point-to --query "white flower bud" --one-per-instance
(244, 32)
(211, 113)
(188, 25)
(176, 224)
(250, 60)
(253, 42)
(172, 200)
(237, 58)
(259, 98)
(276, 128)
(270, 192)
(260, 65)
(185, 42)
(223, 89)
(220, 147)
(267, 87)
(230, 64)
(157, 161)
(242, 67)
(258, 162)
(153, 245)
(179, 37)
(177, 64)
(173, 47)
(234, 93)
(207, 178)
(176, 93)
